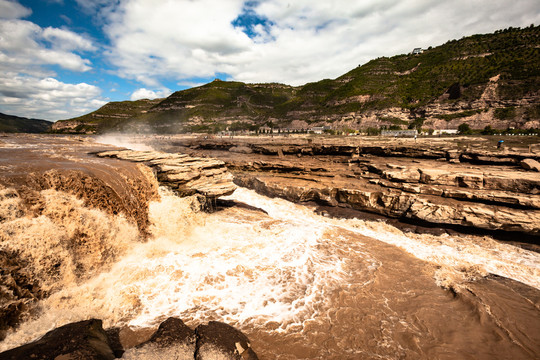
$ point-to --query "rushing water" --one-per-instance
(299, 284)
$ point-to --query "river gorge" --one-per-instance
(89, 231)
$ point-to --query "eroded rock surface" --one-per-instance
(437, 181)
(185, 174)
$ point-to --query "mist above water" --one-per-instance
(123, 141)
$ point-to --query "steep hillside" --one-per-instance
(481, 78)
(491, 79)
(105, 118)
(16, 124)
(216, 106)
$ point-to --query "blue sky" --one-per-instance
(64, 58)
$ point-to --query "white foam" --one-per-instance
(246, 268)
(458, 252)
(202, 267)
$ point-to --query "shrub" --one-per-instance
(506, 113)
(464, 129)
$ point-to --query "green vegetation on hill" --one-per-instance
(16, 124)
(108, 116)
(457, 71)
(412, 81)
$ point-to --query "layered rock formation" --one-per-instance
(436, 183)
(184, 174)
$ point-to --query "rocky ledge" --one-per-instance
(182, 173)
(172, 340)
(465, 184)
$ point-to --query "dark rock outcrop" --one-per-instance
(84, 340)
(218, 338)
(172, 340)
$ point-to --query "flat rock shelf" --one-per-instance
(182, 173)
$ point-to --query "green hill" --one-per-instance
(16, 124)
(490, 79)
(107, 117)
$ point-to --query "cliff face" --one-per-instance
(481, 80)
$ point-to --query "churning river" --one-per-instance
(302, 285)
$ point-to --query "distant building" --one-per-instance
(319, 129)
(265, 129)
(417, 51)
(446, 132)
(399, 133)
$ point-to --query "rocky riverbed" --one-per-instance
(91, 231)
(466, 184)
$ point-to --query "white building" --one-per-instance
(446, 132)
(399, 133)
(319, 129)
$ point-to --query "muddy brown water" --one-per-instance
(300, 285)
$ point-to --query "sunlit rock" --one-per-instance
(185, 174)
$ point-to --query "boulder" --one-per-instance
(530, 164)
(172, 340)
(218, 340)
(84, 340)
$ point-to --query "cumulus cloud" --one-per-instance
(67, 40)
(46, 98)
(143, 93)
(180, 38)
(288, 41)
(13, 10)
(27, 83)
(24, 43)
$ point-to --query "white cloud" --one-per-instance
(27, 85)
(13, 10)
(67, 40)
(180, 38)
(302, 40)
(46, 98)
(143, 93)
(22, 44)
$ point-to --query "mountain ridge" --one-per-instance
(490, 79)
(17, 124)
